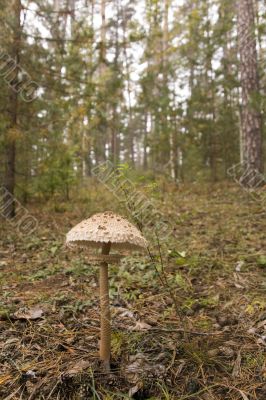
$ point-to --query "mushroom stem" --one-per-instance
(105, 342)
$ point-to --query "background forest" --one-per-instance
(155, 85)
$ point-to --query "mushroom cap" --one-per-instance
(107, 227)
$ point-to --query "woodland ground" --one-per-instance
(192, 329)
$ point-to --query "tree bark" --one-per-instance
(102, 140)
(131, 145)
(10, 147)
(251, 120)
(168, 126)
(145, 141)
(115, 122)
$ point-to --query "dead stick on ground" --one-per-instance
(185, 331)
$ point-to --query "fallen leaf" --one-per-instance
(78, 368)
(239, 266)
(135, 389)
(262, 324)
(141, 368)
(30, 314)
(237, 366)
(141, 326)
(11, 340)
(3, 264)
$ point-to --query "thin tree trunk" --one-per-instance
(89, 146)
(103, 126)
(128, 89)
(72, 5)
(213, 142)
(115, 125)
(169, 128)
(145, 155)
(10, 148)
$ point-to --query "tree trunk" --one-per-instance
(145, 140)
(115, 123)
(131, 147)
(103, 137)
(250, 117)
(10, 148)
(169, 127)
(89, 145)
(213, 139)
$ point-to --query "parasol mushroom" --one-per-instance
(105, 231)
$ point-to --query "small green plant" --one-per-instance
(45, 273)
(250, 361)
(117, 340)
(262, 261)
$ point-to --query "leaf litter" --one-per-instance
(194, 330)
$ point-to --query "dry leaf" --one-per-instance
(3, 264)
(30, 314)
(78, 368)
(237, 366)
(239, 266)
(135, 389)
(141, 326)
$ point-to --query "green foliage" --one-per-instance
(262, 261)
(138, 91)
(56, 173)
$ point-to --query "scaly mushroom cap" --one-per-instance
(107, 227)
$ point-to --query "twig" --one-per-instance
(186, 331)
(188, 396)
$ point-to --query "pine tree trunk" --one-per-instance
(130, 142)
(213, 142)
(89, 146)
(103, 137)
(169, 127)
(145, 141)
(115, 122)
(251, 116)
(10, 148)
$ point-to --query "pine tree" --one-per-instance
(251, 117)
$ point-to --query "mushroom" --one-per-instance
(105, 231)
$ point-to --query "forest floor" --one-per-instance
(194, 328)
